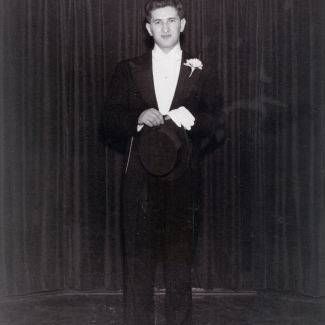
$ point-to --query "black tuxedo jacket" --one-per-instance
(132, 91)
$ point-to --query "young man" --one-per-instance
(163, 84)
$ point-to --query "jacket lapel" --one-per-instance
(185, 82)
(141, 70)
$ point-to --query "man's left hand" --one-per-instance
(182, 117)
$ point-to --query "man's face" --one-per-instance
(165, 27)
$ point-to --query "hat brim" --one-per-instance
(165, 150)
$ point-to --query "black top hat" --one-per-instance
(165, 150)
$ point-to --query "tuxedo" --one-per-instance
(158, 215)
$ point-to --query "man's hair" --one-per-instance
(152, 5)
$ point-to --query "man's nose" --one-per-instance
(165, 27)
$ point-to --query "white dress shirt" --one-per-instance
(165, 69)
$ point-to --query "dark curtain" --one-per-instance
(263, 221)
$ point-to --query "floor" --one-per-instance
(75, 308)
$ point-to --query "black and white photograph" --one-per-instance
(162, 162)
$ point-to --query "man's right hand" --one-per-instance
(151, 117)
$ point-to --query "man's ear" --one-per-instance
(183, 23)
(148, 28)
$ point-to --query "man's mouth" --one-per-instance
(166, 36)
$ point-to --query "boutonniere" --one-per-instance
(194, 63)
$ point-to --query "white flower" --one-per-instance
(194, 63)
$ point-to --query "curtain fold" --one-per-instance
(262, 224)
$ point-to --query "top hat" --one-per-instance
(165, 150)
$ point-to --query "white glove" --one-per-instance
(182, 116)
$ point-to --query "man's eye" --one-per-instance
(157, 22)
(172, 20)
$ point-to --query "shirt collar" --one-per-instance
(175, 54)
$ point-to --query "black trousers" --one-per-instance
(163, 230)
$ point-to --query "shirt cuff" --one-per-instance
(139, 128)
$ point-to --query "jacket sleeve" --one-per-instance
(210, 117)
(118, 120)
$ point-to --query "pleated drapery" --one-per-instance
(263, 188)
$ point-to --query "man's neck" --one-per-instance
(168, 50)
(174, 53)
